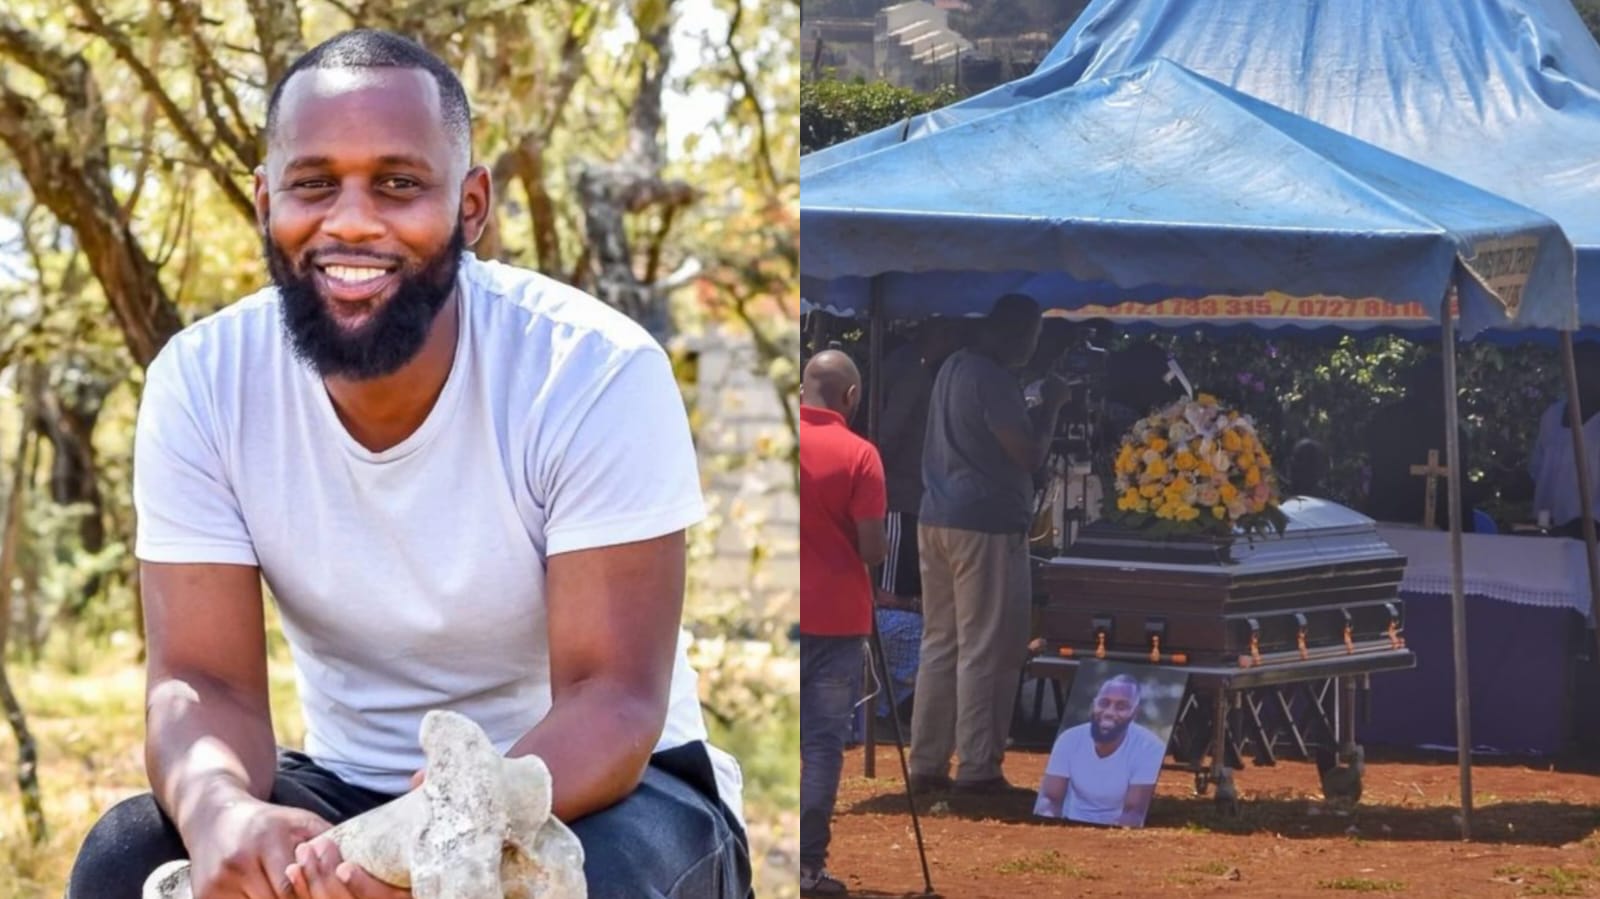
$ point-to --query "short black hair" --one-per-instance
(1013, 313)
(369, 48)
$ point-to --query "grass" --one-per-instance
(1560, 882)
(1550, 880)
(1215, 869)
(1050, 863)
(1362, 885)
(85, 706)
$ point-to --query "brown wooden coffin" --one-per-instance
(1329, 585)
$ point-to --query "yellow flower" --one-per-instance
(1159, 444)
(1206, 399)
(1219, 511)
(1205, 469)
(1150, 491)
(1231, 441)
(1127, 460)
(1258, 506)
(1155, 469)
(1229, 492)
(1252, 476)
(1185, 461)
(1188, 513)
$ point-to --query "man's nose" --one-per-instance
(353, 217)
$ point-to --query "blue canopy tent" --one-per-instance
(1157, 184)
(1502, 94)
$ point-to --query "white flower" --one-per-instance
(1220, 461)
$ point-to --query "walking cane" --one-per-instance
(900, 746)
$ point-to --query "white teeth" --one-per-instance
(353, 274)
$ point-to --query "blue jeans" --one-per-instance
(830, 684)
(671, 838)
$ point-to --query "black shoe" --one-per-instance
(818, 882)
(993, 786)
(930, 783)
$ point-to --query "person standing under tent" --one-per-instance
(1555, 477)
(841, 534)
(981, 450)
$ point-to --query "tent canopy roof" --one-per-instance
(1157, 183)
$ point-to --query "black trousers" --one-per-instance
(672, 838)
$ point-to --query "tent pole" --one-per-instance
(1575, 418)
(869, 728)
(1458, 598)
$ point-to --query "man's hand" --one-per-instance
(320, 873)
(1054, 392)
(243, 850)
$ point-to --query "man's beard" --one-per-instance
(1108, 735)
(394, 334)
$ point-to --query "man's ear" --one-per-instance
(477, 198)
(263, 198)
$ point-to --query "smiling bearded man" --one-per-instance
(467, 487)
(1104, 770)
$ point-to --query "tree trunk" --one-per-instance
(66, 416)
(67, 166)
(27, 749)
(610, 192)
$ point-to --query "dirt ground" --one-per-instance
(1536, 829)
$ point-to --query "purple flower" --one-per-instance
(1244, 378)
(1272, 350)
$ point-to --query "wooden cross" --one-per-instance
(1432, 471)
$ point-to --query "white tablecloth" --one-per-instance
(1534, 571)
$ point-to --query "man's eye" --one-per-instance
(312, 184)
(400, 183)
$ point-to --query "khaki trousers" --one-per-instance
(976, 590)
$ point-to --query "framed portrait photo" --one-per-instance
(1107, 755)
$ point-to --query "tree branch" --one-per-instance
(763, 144)
(238, 135)
(78, 192)
(279, 31)
(152, 85)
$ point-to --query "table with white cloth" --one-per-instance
(1529, 648)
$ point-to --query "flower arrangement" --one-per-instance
(1196, 467)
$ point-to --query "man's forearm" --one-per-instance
(205, 748)
(596, 740)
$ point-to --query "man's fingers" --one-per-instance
(297, 878)
(364, 886)
(275, 870)
(321, 861)
(418, 778)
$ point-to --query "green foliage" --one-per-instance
(835, 111)
(1328, 391)
(1362, 885)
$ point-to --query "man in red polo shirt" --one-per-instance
(842, 502)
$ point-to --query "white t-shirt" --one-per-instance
(1555, 478)
(414, 578)
(1096, 786)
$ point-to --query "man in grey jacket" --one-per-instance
(981, 450)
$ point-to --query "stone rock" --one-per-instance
(479, 828)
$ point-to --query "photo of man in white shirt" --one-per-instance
(1104, 770)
